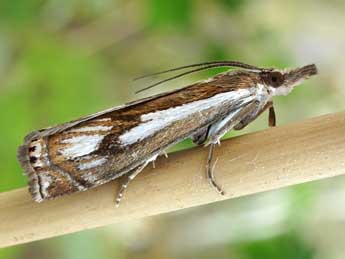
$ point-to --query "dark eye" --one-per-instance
(275, 79)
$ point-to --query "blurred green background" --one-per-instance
(61, 59)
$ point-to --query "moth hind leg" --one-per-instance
(131, 175)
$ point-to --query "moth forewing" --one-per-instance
(99, 148)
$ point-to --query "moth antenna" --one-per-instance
(203, 64)
(205, 67)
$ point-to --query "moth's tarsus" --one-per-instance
(126, 182)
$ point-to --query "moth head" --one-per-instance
(281, 82)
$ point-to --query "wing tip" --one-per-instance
(24, 160)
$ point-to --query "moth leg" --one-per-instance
(165, 153)
(216, 131)
(124, 185)
(271, 117)
(220, 128)
(200, 136)
(209, 171)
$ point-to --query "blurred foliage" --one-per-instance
(63, 59)
(284, 246)
(18, 12)
(233, 5)
(177, 14)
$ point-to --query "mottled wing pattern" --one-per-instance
(93, 150)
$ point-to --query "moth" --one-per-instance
(121, 141)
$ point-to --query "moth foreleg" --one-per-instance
(131, 175)
(209, 171)
(271, 117)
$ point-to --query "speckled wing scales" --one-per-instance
(85, 153)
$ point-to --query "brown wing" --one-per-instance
(96, 149)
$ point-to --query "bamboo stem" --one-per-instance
(262, 161)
